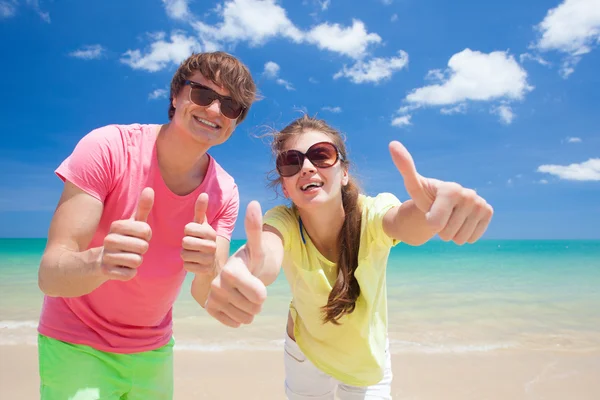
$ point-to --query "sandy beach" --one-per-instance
(254, 375)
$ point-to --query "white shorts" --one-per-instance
(305, 381)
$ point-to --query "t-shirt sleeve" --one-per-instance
(282, 218)
(377, 207)
(93, 163)
(225, 223)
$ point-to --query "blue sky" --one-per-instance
(499, 96)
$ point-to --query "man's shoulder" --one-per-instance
(221, 176)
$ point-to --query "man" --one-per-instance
(134, 217)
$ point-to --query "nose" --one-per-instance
(308, 167)
(214, 107)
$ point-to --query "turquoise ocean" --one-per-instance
(492, 296)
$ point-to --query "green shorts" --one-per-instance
(77, 372)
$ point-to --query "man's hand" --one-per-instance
(127, 241)
(199, 244)
(453, 212)
(236, 294)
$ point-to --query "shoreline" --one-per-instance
(249, 375)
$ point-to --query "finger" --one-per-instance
(249, 286)
(129, 244)
(122, 259)
(456, 221)
(253, 225)
(406, 166)
(118, 273)
(231, 290)
(202, 231)
(222, 318)
(480, 229)
(440, 213)
(132, 228)
(229, 309)
(467, 229)
(200, 208)
(200, 245)
(196, 257)
(144, 206)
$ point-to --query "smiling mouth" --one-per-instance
(311, 185)
(207, 123)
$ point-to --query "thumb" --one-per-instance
(253, 224)
(200, 208)
(144, 206)
(406, 166)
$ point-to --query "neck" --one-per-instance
(182, 162)
(324, 225)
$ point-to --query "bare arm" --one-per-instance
(201, 282)
(408, 224)
(272, 244)
(67, 269)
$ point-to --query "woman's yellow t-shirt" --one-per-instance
(354, 351)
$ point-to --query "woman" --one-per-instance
(333, 243)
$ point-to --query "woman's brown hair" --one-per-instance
(345, 291)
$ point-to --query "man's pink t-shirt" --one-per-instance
(113, 164)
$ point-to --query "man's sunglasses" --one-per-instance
(321, 155)
(204, 96)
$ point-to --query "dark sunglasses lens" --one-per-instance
(289, 163)
(322, 155)
(202, 97)
(231, 108)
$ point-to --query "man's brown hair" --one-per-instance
(223, 70)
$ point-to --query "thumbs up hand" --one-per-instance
(127, 241)
(452, 211)
(199, 244)
(236, 294)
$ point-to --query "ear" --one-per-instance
(345, 177)
(174, 101)
(285, 192)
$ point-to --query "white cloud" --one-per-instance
(158, 94)
(543, 181)
(374, 70)
(35, 4)
(8, 9)
(271, 71)
(476, 76)
(324, 4)
(586, 171)
(162, 52)
(505, 112)
(177, 9)
(312, 80)
(258, 21)
(387, 2)
(352, 41)
(573, 140)
(255, 21)
(572, 28)
(89, 52)
(401, 120)
(394, 17)
(335, 110)
(460, 108)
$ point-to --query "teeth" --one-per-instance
(315, 184)
(205, 122)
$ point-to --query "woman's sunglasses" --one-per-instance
(204, 96)
(321, 155)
